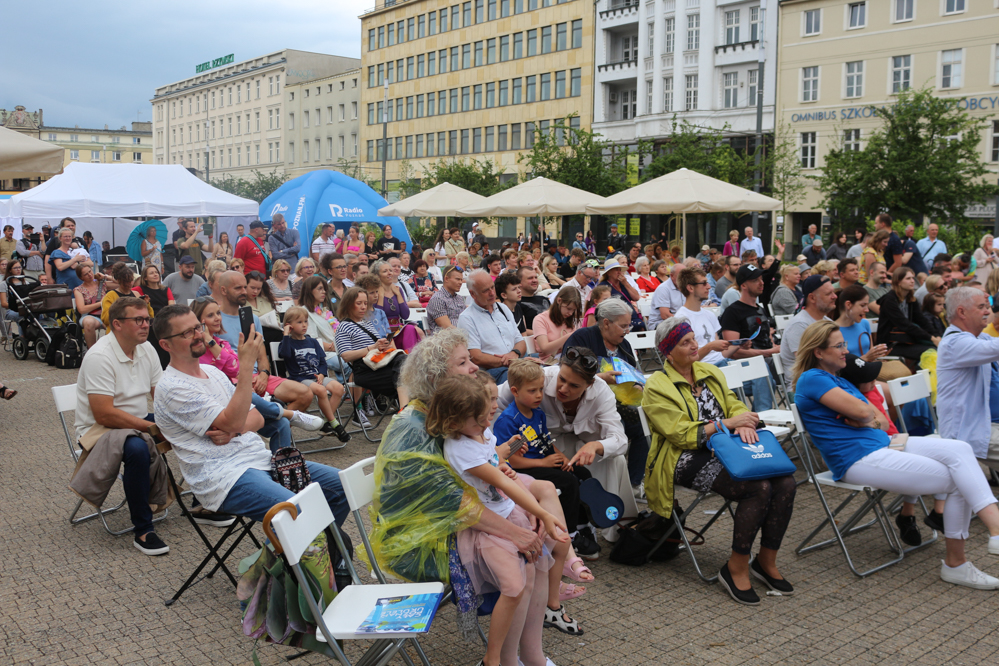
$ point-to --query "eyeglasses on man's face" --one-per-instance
(188, 334)
(139, 321)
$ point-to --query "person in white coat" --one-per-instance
(582, 416)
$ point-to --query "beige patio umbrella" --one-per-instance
(440, 201)
(24, 157)
(681, 192)
(538, 196)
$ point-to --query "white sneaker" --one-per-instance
(360, 420)
(968, 576)
(993, 545)
(639, 492)
(306, 421)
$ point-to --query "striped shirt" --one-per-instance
(444, 304)
(352, 335)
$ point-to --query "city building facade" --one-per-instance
(229, 120)
(840, 59)
(697, 59)
(323, 123)
(470, 79)
(81, 144)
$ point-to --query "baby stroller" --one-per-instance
(44, 321)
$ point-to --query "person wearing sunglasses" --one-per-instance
(582, 416)
(117, 377)
(851, 436)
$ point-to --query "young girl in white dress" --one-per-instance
(460, 412)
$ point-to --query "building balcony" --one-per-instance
(630, 64)
(733, 54)
(617, 71)
(619, 13)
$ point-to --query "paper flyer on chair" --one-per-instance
(408, 613)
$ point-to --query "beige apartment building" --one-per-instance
(471, 79)
(838, 58)
(323, 123)
(228, 119)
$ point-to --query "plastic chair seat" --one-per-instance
(826, 479)
(353, 605)
(777, 416)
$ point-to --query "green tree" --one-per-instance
(353, 169)
(479, 176)
(701, 149)
(257, 188)
(783, 168)
(923, 160)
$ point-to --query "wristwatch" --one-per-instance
(518, 352)
(212, 343)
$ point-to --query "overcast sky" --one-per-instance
(98, 63)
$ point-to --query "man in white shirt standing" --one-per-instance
(666, 299)
(751, 242)
(711, 348)
(494, 340)
(212, 425)
(931, 246)
(324, 243)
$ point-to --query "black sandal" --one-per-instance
(556, 618)
(7, 393)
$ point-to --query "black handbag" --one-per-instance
(637, 538)
(288, 468)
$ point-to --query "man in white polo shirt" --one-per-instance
(119, 373)
(325, 243)
(493, 337)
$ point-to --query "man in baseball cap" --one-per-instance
(741, 320)
(818, 302)
(814, 253)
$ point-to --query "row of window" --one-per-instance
(536, 88)
(194, 158)
(951, 74)
(851, 141)
(492, 139)
(313, 151)
(95, 156)
(319, 89)
(94, 138)
(547, 39)
(449, 18)
(194, 102)
(855, 17)
(317, 118)
(194, 130)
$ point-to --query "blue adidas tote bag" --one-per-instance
(764, 459)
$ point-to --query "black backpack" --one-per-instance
(69, 353)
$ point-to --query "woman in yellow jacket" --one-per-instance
(684, 405)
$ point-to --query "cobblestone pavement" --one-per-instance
(75, 595)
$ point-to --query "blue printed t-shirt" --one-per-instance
(994, 393)
(841, 445)
(852, 336)
(232, 330)
(508, 424)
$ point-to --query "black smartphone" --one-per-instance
(245, 320)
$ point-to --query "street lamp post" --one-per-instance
(385, 141)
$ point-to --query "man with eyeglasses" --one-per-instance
(732, 266)
(212, 425)
(284, 243)
(119, 373)
(693, 283)
(745, 318)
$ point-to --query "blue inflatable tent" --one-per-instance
(318, 197)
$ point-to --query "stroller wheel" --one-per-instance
(41, 349)
(20, 348)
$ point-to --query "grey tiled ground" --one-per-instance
(74, 595)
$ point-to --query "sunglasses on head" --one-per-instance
(588, 361)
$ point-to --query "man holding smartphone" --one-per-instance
(191, 246)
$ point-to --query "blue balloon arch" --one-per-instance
(327, 196)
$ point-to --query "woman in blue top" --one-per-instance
(64, 264)
(851, 317)
(850, 434)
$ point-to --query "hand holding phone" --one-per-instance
(245, 320)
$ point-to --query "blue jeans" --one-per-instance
(499, 374)
(760, 390)
(256, 492)
(276, 428)
(135, 480)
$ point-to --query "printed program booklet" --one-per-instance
(408, 613)
(628, 372)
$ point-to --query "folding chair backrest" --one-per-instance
(640, 340)
(275, 358)
(908, 389)
(645, 306)
(358, 487)
(296, 534)
(65, 401)
(531, 347)
(752, 368)
(733, 376)
(778, 365)
(781, 321)
(645, 422)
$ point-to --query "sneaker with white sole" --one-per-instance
(203, 516)
(359, 420)
(994, 545)
(152, 545)
(307, 421)
(968, 576)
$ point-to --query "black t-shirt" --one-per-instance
(745, 319)
(567, 271)
(532, 306)
(394, 245)
(894, 248)
(518, 316)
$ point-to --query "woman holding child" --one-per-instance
(423, 506)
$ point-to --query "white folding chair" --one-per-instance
(756, 368)
(295, 524)
(65, 401)
(781, 321)
(843, 528)
(418, 316)
(641, 341)
(531, 347)
(909, 389)
(645, 307)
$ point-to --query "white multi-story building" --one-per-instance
(698, 59)
(322, 123)
(230, 120)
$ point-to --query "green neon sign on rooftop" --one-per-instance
(212, 64)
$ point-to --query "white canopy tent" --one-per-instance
(22, 156)
(100, 196)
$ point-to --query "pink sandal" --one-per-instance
(568, 591)
(569, 572)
